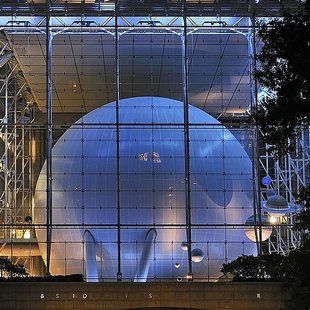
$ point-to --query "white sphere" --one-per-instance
(184, 246)
(250, 231)
(197, 255)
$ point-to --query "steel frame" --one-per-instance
(15, 157)
(288, 175)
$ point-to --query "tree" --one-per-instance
(285, 71)
(268, 266)
(9, 269)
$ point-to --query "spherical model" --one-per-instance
(266, 180)
(197, 255)
(250, 231)
(277, 206)
(152, 191)
(184, 246)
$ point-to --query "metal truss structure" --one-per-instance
(288, 175)
(15, 158)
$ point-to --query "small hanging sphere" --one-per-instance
(250, 231)
(184, 246)
(266, 180)
(197, 255)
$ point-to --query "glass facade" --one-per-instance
(153, 171)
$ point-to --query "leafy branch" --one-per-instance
(284, 70)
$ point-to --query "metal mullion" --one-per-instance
(49, 137)
(117, 95)
(255, 138)
(186, 142)
(15, 145)
(6, 157)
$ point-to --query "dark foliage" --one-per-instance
(269, 266)
(68, 278)
(9, 269)
(285, 70)
(303, 219)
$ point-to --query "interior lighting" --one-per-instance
(272, 220)
(27, 234)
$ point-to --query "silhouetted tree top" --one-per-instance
(285, 71)
(10, 269)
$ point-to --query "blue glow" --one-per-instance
(266, 180)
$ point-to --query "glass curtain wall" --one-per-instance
(152, 172)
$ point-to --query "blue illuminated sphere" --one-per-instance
(266, 180)
(152, 190)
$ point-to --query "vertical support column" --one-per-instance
(186, 141)
(6, 159)
(117, 97)
(14, 164)
(49, 137)
(255, 138)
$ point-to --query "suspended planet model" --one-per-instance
(266, 180)
(197, 255)
(277, 206)
(184, 246)
(250, 230)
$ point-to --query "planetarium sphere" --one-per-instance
(152, 190)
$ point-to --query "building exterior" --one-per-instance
(126, 152)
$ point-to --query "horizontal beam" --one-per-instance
(127, 226)
(154, 8)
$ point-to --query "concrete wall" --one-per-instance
(215, 296)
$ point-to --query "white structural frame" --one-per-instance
(15, 157)
(288, 175)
